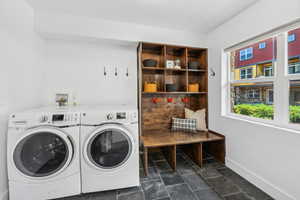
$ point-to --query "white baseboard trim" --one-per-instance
(4, 195)
(258, 181)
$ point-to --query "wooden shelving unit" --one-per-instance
(158, 115)
(156, 109)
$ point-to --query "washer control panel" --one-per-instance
(44, 118)
(60, 118)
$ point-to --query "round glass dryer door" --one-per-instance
(42, 153)
(109, 148)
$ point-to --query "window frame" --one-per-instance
(246, 73)
(246, 52)
(280, 80)
(268, 96)
(253, 93)
(268, 68)
(289, 39)
(262, 45)
(294, 65)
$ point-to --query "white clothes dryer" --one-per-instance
(110, 148)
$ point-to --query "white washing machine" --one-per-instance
(43, 154)
(110, 148)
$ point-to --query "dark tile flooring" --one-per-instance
(212, 182)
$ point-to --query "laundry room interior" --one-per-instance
(149, 100)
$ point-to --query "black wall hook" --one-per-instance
(104, 71)
(127, 73)
(212, 73)
(116, 71)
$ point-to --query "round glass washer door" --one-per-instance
(43, 152)
(109, 147)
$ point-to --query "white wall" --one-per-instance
(19, 69)
(267, 156)
(77, 67)
(33, 69)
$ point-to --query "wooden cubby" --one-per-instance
(154, 51)
(198, 54)
(174, 53)
(159, 114)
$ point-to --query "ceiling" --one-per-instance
(194, 15)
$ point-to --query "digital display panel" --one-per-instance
(121, 115)
(57, 118)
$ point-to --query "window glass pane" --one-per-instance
(262, 45)
(253, 99)
(294, 51)
(258, 62)
(295, 101)
(291, 37)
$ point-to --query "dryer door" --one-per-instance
(109, 147)
(43, 152)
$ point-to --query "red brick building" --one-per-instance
(257, 61)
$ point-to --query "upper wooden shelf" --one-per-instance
(168, 69)
(153, 68)
(174, 92)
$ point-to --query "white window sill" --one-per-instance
(293, 128)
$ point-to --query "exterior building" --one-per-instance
(258, 61)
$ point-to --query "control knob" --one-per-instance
(109, 116)
(43, 119)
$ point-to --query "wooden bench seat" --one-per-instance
(168, 141)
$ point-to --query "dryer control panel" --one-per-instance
(122, 116)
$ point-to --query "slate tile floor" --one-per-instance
(212, 182)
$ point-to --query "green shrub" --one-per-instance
(295, 114)
(265, 111)
(255, 110)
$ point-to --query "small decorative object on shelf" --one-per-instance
(170, 100)
(171, 87)
(194, 87)
(150, 63)
(185, 100)
(194, 65)
(170, 64)
(61, 99)
(150, 87)
(177, 64)
(155, 100)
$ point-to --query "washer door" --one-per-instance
(109, 147)
(43, 152)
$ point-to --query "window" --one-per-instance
(268, 71)
(270, 96)
(294, 76)
(291, 37)
(246, 54)
(253, 93)
(262, 45)
(294, 107)
(250, 86)
(246, 73)
(294, 68)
